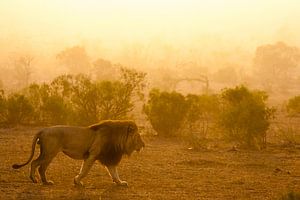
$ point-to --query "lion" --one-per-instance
(106, 142)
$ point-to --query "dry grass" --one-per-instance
(166, 169)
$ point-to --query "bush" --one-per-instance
(3, 110)
(288, 129)
(245, 116)
(116, 102)
(201, 114)
(291, 196)
(79, 100)
(166, 111)
(202, 110)
(50, 107)
(73, 99)
(293, 106)
(18, 109)
(55, 110)
(94, 101)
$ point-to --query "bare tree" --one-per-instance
(23, 70)
(75, 59)
(104, 70)
(273, 64)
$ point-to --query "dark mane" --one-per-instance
(110, 156)
(114, 134)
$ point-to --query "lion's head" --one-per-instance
(134, 141)
(120, 137)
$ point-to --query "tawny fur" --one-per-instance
(106, 142)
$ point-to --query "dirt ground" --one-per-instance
(165, 169)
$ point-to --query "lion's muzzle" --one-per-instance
(140, 146)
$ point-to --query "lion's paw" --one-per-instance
(122, 183)
(78, 183)
(33, 179)
(48, 183)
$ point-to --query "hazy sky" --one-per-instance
(48, 23)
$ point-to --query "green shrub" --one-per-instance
(50, 107)
(116, 101)
(79, 100)
(3, 110)
(291, 196)
(202, 110)
(166, 111)
(94, 101)
(55, 110)
(76, 100)
(293, 106)
(19, 110)
(201, 115)
(245, 116)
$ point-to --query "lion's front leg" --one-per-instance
(115, 176)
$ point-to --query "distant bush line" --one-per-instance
(241, 114)
(72, 99)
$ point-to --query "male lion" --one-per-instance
(106, 142)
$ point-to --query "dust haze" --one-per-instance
(177, 36)
(213, 86)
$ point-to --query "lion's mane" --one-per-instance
(115, 134)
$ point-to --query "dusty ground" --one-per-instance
(166, 169)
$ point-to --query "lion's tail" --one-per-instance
(36, 137)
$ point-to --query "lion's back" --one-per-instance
(67, 134)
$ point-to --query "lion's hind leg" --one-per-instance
(43, 161)
(42, 171)
(34, 165)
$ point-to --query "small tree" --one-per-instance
(288, 131)
(104, 70)
(115, 102)
(76, 100)
(166, 111)
(33, 93)
(84, 99)
(50, 106)
(55, 110)
(121, 96)
(3, 111)
(89, 101)
(94, 101)
(201, 111)
(134, 82)
(245, 116)
(19, 109)
(274, 64)
(293, 106)
(23, 69)
(75, 59)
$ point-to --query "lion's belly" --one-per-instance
(76, 151)
(76, 144)
(76, 155)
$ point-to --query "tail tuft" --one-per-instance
(16, 166)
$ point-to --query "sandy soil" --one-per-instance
(165, 169)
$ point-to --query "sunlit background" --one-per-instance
(144, 34)
(50, 23)
(219, 80)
